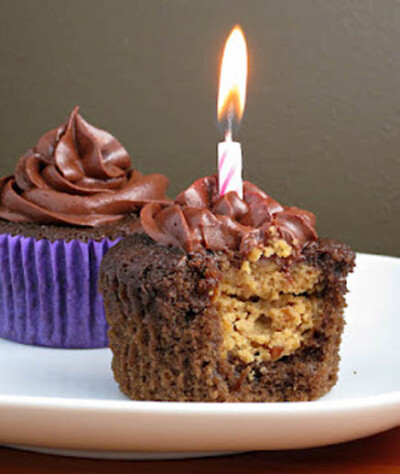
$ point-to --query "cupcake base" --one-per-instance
(48, 283)
(214, 327)
(48, 292)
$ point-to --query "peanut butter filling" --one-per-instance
(266, 311)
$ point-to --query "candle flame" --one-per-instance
(233, 79)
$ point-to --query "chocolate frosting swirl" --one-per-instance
(201, 219)
(77, 175)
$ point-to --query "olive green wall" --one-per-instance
(322, 123)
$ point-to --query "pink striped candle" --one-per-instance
(230, 167)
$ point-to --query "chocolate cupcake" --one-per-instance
(225, 299)
(71, 198)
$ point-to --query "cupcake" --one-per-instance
(72, 196)
(225, 299)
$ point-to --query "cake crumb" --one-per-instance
(265, 315)
(255, 254)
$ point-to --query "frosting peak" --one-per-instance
(76, 174)
(201, 219)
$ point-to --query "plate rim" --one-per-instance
(389, 399)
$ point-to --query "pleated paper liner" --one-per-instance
(48, 292)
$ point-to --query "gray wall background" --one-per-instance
(322, 123)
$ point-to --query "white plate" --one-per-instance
(67, 401)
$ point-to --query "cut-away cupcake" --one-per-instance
(225, 299)
(72, 197)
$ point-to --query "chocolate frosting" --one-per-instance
(201, 219)
(77, 175)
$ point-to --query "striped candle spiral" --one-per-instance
(230, 168)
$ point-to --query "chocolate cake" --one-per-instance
(225, 300)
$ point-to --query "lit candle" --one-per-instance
(231, 102)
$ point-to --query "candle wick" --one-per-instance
(228, 135)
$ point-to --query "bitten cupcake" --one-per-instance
(72, 196)
(225, 299)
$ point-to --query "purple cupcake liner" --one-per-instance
(48, 292)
